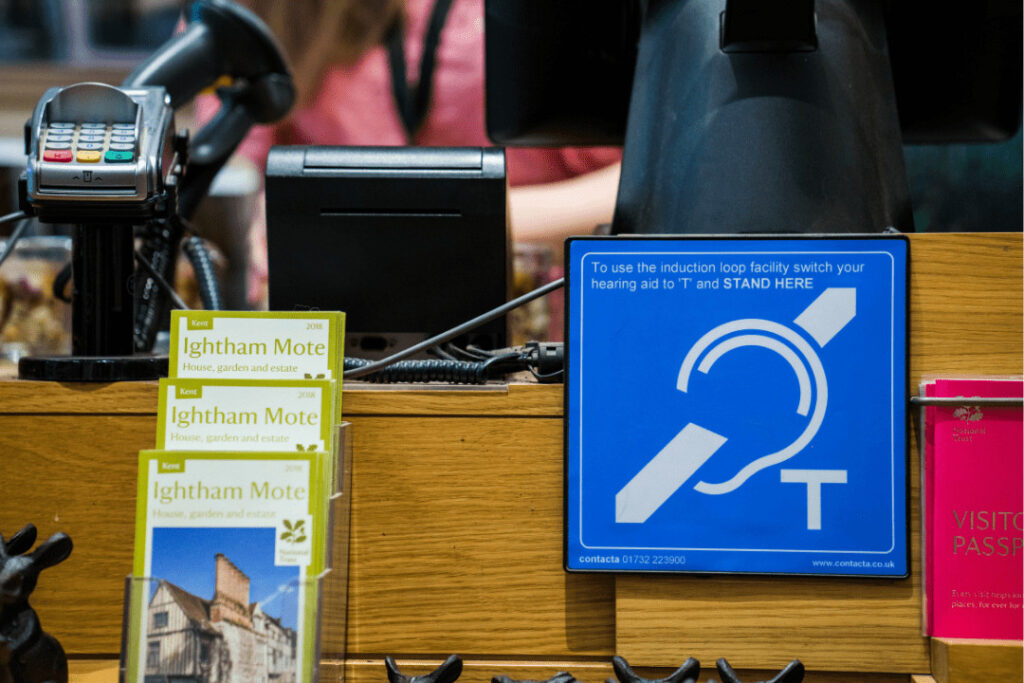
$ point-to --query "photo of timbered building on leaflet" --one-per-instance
(223, 640)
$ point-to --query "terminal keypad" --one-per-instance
(89, 142)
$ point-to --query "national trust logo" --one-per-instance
(295, 531)
(968, 414)
(964, 431)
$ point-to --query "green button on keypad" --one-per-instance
(118, 156)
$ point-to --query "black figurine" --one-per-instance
(793, 673)
(560, 677)
(689, 672)
(446, 673)
(27, 653)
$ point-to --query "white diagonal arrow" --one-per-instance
(665, 473)
(829, 313)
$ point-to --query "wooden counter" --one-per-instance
(456, 536)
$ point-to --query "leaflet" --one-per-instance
(238, 415)
(973, 512)
(258, 345)
(229, 550)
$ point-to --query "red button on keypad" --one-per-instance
(57, 155)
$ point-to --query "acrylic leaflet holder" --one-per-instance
(970, 444)
(234, 620)
(229, 595)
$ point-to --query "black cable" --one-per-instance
(503, 364)
(464, 354)
(60, 284)
(15, 236)
(12, 217)
(448, 371)
(545, 377)
(159, 279)
(159, 249)
(206, 279)
(441, 353)
(545, 360)
(371, 368)
(482, 354)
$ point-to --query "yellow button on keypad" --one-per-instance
(88, 157)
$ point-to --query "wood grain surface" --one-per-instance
(963, 660)
(456, 526)
(457, 542)
(829, 624)
(965, 304)
(26, 397)
(539, 400)
(77, 474)
(92, 670)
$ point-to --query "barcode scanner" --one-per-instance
(222, 39)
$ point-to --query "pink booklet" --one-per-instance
(974, 568)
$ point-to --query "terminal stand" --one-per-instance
(102, 314)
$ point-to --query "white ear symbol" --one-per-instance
(694, 445)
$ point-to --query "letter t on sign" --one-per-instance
(814, 479)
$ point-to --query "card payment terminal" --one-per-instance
(97, 152)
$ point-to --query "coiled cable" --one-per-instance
(375, 366)
(206, 279)
(441, 370)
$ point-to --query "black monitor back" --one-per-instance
(754, 115)
(561, 73)
(409, 242)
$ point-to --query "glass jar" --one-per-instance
(531, 269)
(32, 320)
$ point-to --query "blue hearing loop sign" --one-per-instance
(736, 405)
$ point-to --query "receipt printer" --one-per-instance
(409, 242)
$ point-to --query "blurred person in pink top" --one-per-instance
(342, 53)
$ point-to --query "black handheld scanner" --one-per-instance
(221, 40)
